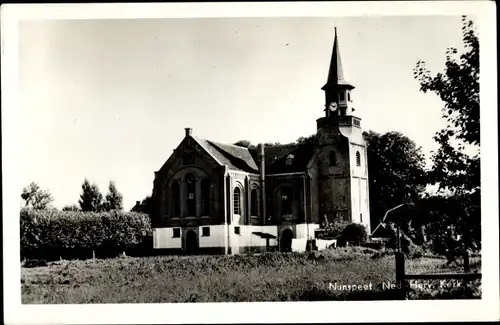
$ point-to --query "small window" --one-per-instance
(341, 96)
(361, 217)
(177, 233)
(358, 159)
(237, 230)
(289, 160)
(205, 231)
(333, 158)
(349, 96)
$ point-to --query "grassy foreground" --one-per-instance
(266, 277)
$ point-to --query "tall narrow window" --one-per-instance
(205, 197)
(358, 159)
(237, 201)
(254, 202)
(349, 96)
(190, 195)
(286, 200)
(341, 96)
(333, 158)
(176, 200)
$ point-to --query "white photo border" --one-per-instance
(297, 312)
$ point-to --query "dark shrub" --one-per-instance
(355, 234)
(34, 263)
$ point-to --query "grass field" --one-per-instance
(266, 277)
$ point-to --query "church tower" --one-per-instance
(342, 169)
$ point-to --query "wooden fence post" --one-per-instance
(400, 273)
(466, 262)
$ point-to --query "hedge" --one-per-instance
(51, 234)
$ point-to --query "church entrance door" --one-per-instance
(191, 242)
(286, 241)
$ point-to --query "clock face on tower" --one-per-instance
(333, 106)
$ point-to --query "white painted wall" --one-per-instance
(163, 238)
(299, 245)
(323, 243)
(305, 230)
(216, 238)
(246, 238)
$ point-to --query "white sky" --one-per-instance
(109, 99)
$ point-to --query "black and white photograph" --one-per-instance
(201, 158)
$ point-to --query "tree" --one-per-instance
(457, 162)
(145, 206)
(114, 200)
(91, 198)
(396, 169)
(36, 198)
(71, 207)
(458, 88)
(243, 143)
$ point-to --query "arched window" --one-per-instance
(237, 201)
(190, 195)
(358, 159)
(254, 202)
(286, 200)
(205, 197)
(333, 158)
(176, 200)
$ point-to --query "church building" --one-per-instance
(222, 198)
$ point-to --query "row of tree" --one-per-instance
(91, 199)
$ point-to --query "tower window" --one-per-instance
(341, 96)
(205, 231)
(349, 96)
(237, 201)
(333, 158)
(176, 233)
(289, 160)
(237, 230)
(358, 158)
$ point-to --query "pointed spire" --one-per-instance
(336, 73)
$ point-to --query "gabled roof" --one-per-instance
(236, 158)
(275, 157)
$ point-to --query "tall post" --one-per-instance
(263, 184)
(400, 273)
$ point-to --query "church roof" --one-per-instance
(276, 155)
(336, 73)
(236, 158)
